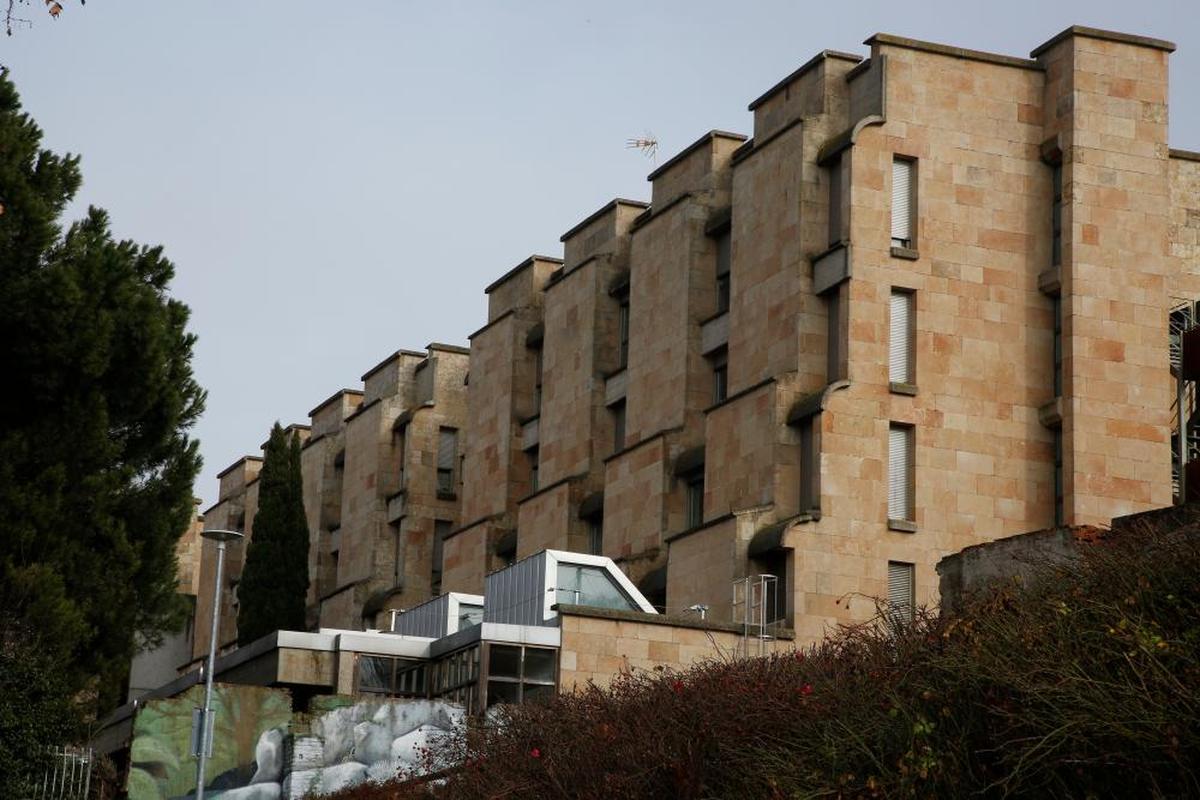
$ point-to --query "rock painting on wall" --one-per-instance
(261, 751)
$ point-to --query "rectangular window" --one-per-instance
(835, 202)
(901, 337)
(402, 444)
(809, 497)
(900, 472)
(1056, 209)
(833, 334)
(596, 535)
(618, 415)
(441, 529)
(537, 378)
(904, 203)
(901, 591)
(720, 368)
(447, 455)
(1058, 346)
(723, 269)
(623, 332)
(1060, 516)
(519, 674)
(695, 500)
(398, 546)
(532, 454)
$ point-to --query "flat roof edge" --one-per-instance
(691, 148)
(953, 51)
(600, 212)
(1108, 36)
(803, 68)
(491, 287)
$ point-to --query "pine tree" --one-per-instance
(96, 467)
(271, 594)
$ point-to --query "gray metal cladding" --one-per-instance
(515, 595)
(428, 619)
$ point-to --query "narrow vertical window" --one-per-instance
(900, 472)
(901, 337)
(903, 202)
(398, 545)
(623, 331)
(1056, 209)
(532, 454)
(901, 590)
(835, 202)
(446, 456)
(441, 529)
(1060, 516)
(402, 437)
(723, 268)
(618, 415)
(809, 498)
(537, 379)
(596, 534)
(1058, 346)
(695, 500)
(720, 368)
(833, 334)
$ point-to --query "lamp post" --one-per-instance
(221, 538)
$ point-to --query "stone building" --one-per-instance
(927, 303)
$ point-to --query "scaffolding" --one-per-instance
(1185, 441)
(756, 605)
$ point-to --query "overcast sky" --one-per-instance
(335, 181)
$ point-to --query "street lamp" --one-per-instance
(221, 538)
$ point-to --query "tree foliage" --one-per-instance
(274, 584)
(96, 467)
(1082, 683)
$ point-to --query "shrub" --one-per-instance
(1084, 683)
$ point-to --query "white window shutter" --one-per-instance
(447, 447)
(900, 479)
(902, 171)
(900, 338)
(900, 589)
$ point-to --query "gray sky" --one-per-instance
(335, 181)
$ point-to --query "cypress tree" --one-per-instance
(96, 467)
(274, 584)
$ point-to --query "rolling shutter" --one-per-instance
(900, 478)
(902, 171)
(900, 338)
(447, 448)
(900, 590)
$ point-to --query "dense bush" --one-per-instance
(1085, 683)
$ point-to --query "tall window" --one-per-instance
(833, 334)
(532, 454)
(720, 368)
(1060, 516)
(1056, 208)
(441, 529)
(618, 415)
(1058, 346)
(402, 444)
(835, 202)
(623, 330)
(900, 472)
(595, 525)
(901, 590)
(901, 337)
(447, 455)
(694, 499)
(723, 268)
(537, 378)
(904, 202)
(809, 494)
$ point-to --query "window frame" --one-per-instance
(693, 499)
(906, 520)
(902, 243)
(903, 612)
(487, 677)
(903, 383)
(446, 489)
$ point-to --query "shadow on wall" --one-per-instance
(262, 751)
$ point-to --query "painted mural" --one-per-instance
(262, 751)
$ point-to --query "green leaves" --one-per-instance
(271, 594)
(96, 467)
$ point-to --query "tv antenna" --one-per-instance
(648, 144)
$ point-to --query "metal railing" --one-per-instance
(69, 776)
(1183, 317)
